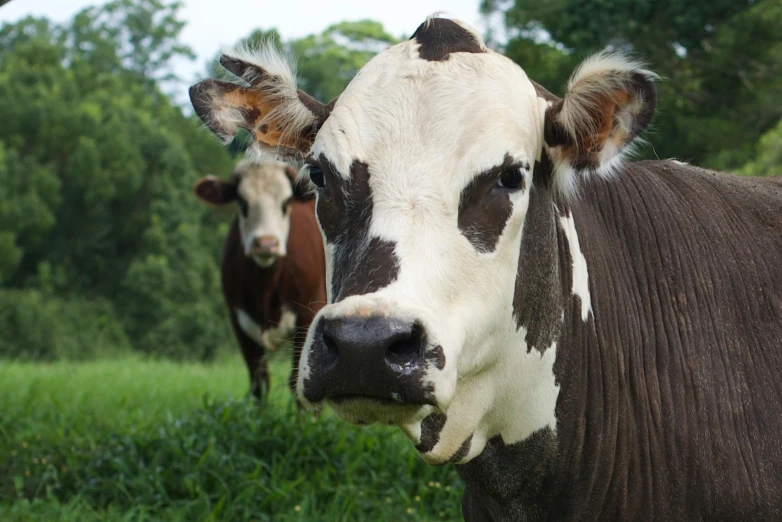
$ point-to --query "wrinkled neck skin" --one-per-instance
(515, 476)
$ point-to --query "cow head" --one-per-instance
(424, 169)
(262, 191)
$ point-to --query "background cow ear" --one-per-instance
(610, 102)
(301, 189)
(281, 119)
(213, 190)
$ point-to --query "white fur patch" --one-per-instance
(274, 338)
(248, 326)
(580, 270)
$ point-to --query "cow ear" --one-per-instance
(609, 103)
(280, 118)
(301, 189)
(213, 190)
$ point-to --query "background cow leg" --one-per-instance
(255, 357)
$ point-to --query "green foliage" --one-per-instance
(767, 160)
(96, 165)
(40, 326)
(130, 437)
(721, 62)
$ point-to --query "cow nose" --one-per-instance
(373, 357)
(266, 245)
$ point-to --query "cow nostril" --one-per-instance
(330, 354)
(406, 354)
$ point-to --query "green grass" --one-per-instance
(134, 440)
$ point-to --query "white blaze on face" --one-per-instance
(266, 190)
(426, 130)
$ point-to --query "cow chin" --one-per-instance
(364, 411)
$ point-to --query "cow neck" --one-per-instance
(528, 480)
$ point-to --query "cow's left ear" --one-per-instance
(609, 103)
(211, 189)
(301, 190)
(281, 119)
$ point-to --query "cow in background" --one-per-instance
(273, 268)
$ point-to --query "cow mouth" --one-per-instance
(364, 410)
(264, 260)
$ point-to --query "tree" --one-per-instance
(721, 62)
(95, 168)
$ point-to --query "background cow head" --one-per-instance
(437, 170)
(263, 191)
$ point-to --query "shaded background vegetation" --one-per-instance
(104, 252)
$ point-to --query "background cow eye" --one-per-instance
(242, 205)
(317, 177)
(511, 178)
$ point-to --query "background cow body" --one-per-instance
(585, 339)
(272, 267)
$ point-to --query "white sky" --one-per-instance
(212, 24)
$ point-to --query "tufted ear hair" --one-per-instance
(609, 103)
(282, 119)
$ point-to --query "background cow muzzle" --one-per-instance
(265, 250)
(375, 358)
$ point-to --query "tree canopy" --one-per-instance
(721, 63)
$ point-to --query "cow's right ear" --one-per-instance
(215, 191)
(281, 119)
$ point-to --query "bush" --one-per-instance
(37, 326)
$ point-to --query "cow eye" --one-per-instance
(511, 178)
(317, 177)
(242, 205)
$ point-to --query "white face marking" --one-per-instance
(426, 130)
(266, 188)
(580, 271)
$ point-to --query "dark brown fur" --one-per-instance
(670, 404)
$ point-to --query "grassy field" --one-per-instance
(134, 440)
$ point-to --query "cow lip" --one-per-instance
(393, 400)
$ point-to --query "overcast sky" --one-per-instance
(212, 24)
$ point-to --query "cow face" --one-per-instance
(423, 170)
(262, 191)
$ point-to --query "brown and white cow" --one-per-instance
(585, 338)
(272, 264)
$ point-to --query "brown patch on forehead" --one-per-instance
(439, 37)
